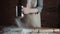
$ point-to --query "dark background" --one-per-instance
(49, 15)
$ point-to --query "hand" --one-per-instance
(29, 10)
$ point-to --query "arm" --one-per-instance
(40, 5)
(33, 10)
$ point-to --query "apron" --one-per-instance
(32, 20)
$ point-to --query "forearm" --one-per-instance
(29, 10)
(39, 7)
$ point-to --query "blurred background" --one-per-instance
(49, 15)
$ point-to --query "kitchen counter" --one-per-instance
(31, 31)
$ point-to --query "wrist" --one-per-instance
(34, 10)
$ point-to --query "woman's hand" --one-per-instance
(29, 10)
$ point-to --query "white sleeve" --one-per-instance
(40, 5)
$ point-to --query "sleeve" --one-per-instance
(40, 5)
